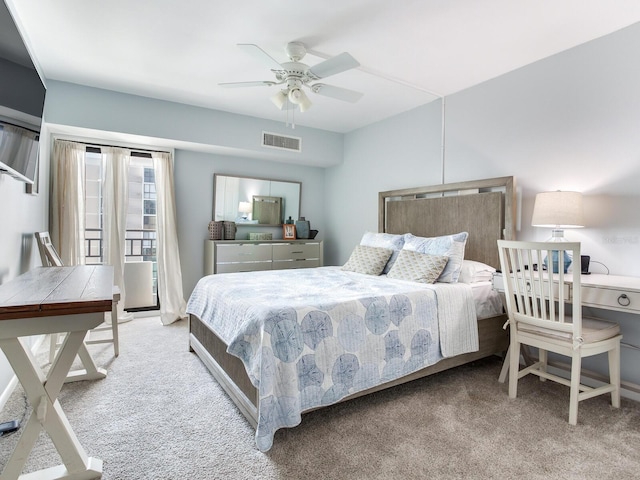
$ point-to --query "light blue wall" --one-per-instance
(567, 122)
(172, 123)
(195, 132)
(116, 118)
(400, 152)
(194, 197)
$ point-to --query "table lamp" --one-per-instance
(558, 210)
(245, 209)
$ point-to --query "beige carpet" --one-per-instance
(160, 415)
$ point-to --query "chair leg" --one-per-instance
(614, 375)
(514, 368)
(504, 371)
(542, 357)
(114, 328)
(576, 365)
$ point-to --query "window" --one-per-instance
(140, 236)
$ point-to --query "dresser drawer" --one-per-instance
(611, 299)
(296, 251)
(242, 253)
(284, 264)
(242, 267)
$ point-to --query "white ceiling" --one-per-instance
(410, 51)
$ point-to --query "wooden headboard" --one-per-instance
(484, 208)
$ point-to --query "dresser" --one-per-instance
(225, 256)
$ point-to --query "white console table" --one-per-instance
(52, 300)
(609, 292)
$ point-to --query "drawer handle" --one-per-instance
(624, 300)
(298, 252)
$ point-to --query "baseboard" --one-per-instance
(6, 393)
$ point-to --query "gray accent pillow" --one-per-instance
(451, 246)
(367, 260)
(417, 267)
(384, 240)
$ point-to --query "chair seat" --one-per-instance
(593, 330)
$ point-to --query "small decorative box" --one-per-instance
(260, 236)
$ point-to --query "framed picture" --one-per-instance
(288, 231)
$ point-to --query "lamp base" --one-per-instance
(555, 261)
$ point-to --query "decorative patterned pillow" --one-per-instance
(367, 260)
(384, 240)
(417, 267)
(451, 246)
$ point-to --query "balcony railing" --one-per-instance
(136, 245)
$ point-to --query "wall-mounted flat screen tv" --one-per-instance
(21, 103)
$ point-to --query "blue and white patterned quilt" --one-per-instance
(310, 337)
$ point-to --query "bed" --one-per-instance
(314, 337)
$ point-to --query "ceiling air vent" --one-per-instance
(273, 140)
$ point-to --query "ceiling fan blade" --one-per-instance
(338, 93)
(258, 53)
(333, 65)
(263, 83)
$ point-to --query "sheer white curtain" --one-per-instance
(115, 198)
(67, 201)
(172, 304)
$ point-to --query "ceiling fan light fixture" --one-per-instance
(280, 99)
(305, 103)
(295, 95)
(298, 97)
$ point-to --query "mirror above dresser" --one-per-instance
(255, 201)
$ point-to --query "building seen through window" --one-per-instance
(140, 239)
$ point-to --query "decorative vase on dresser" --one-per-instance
(225, 256)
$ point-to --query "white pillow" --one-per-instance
(473, 271)
(451, 246)
(384, 240)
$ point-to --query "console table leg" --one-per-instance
(42, 393)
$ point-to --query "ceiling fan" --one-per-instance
(294, 75)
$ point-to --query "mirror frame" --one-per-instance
(284, 214)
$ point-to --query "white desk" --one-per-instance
(44, 301)
(609, 292)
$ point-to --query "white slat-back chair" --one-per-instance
(545, 312)
(50, 258)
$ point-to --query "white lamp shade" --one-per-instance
(298, 97)
(305, 103)
(245, 207)
(280, 99)
(558, 210)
